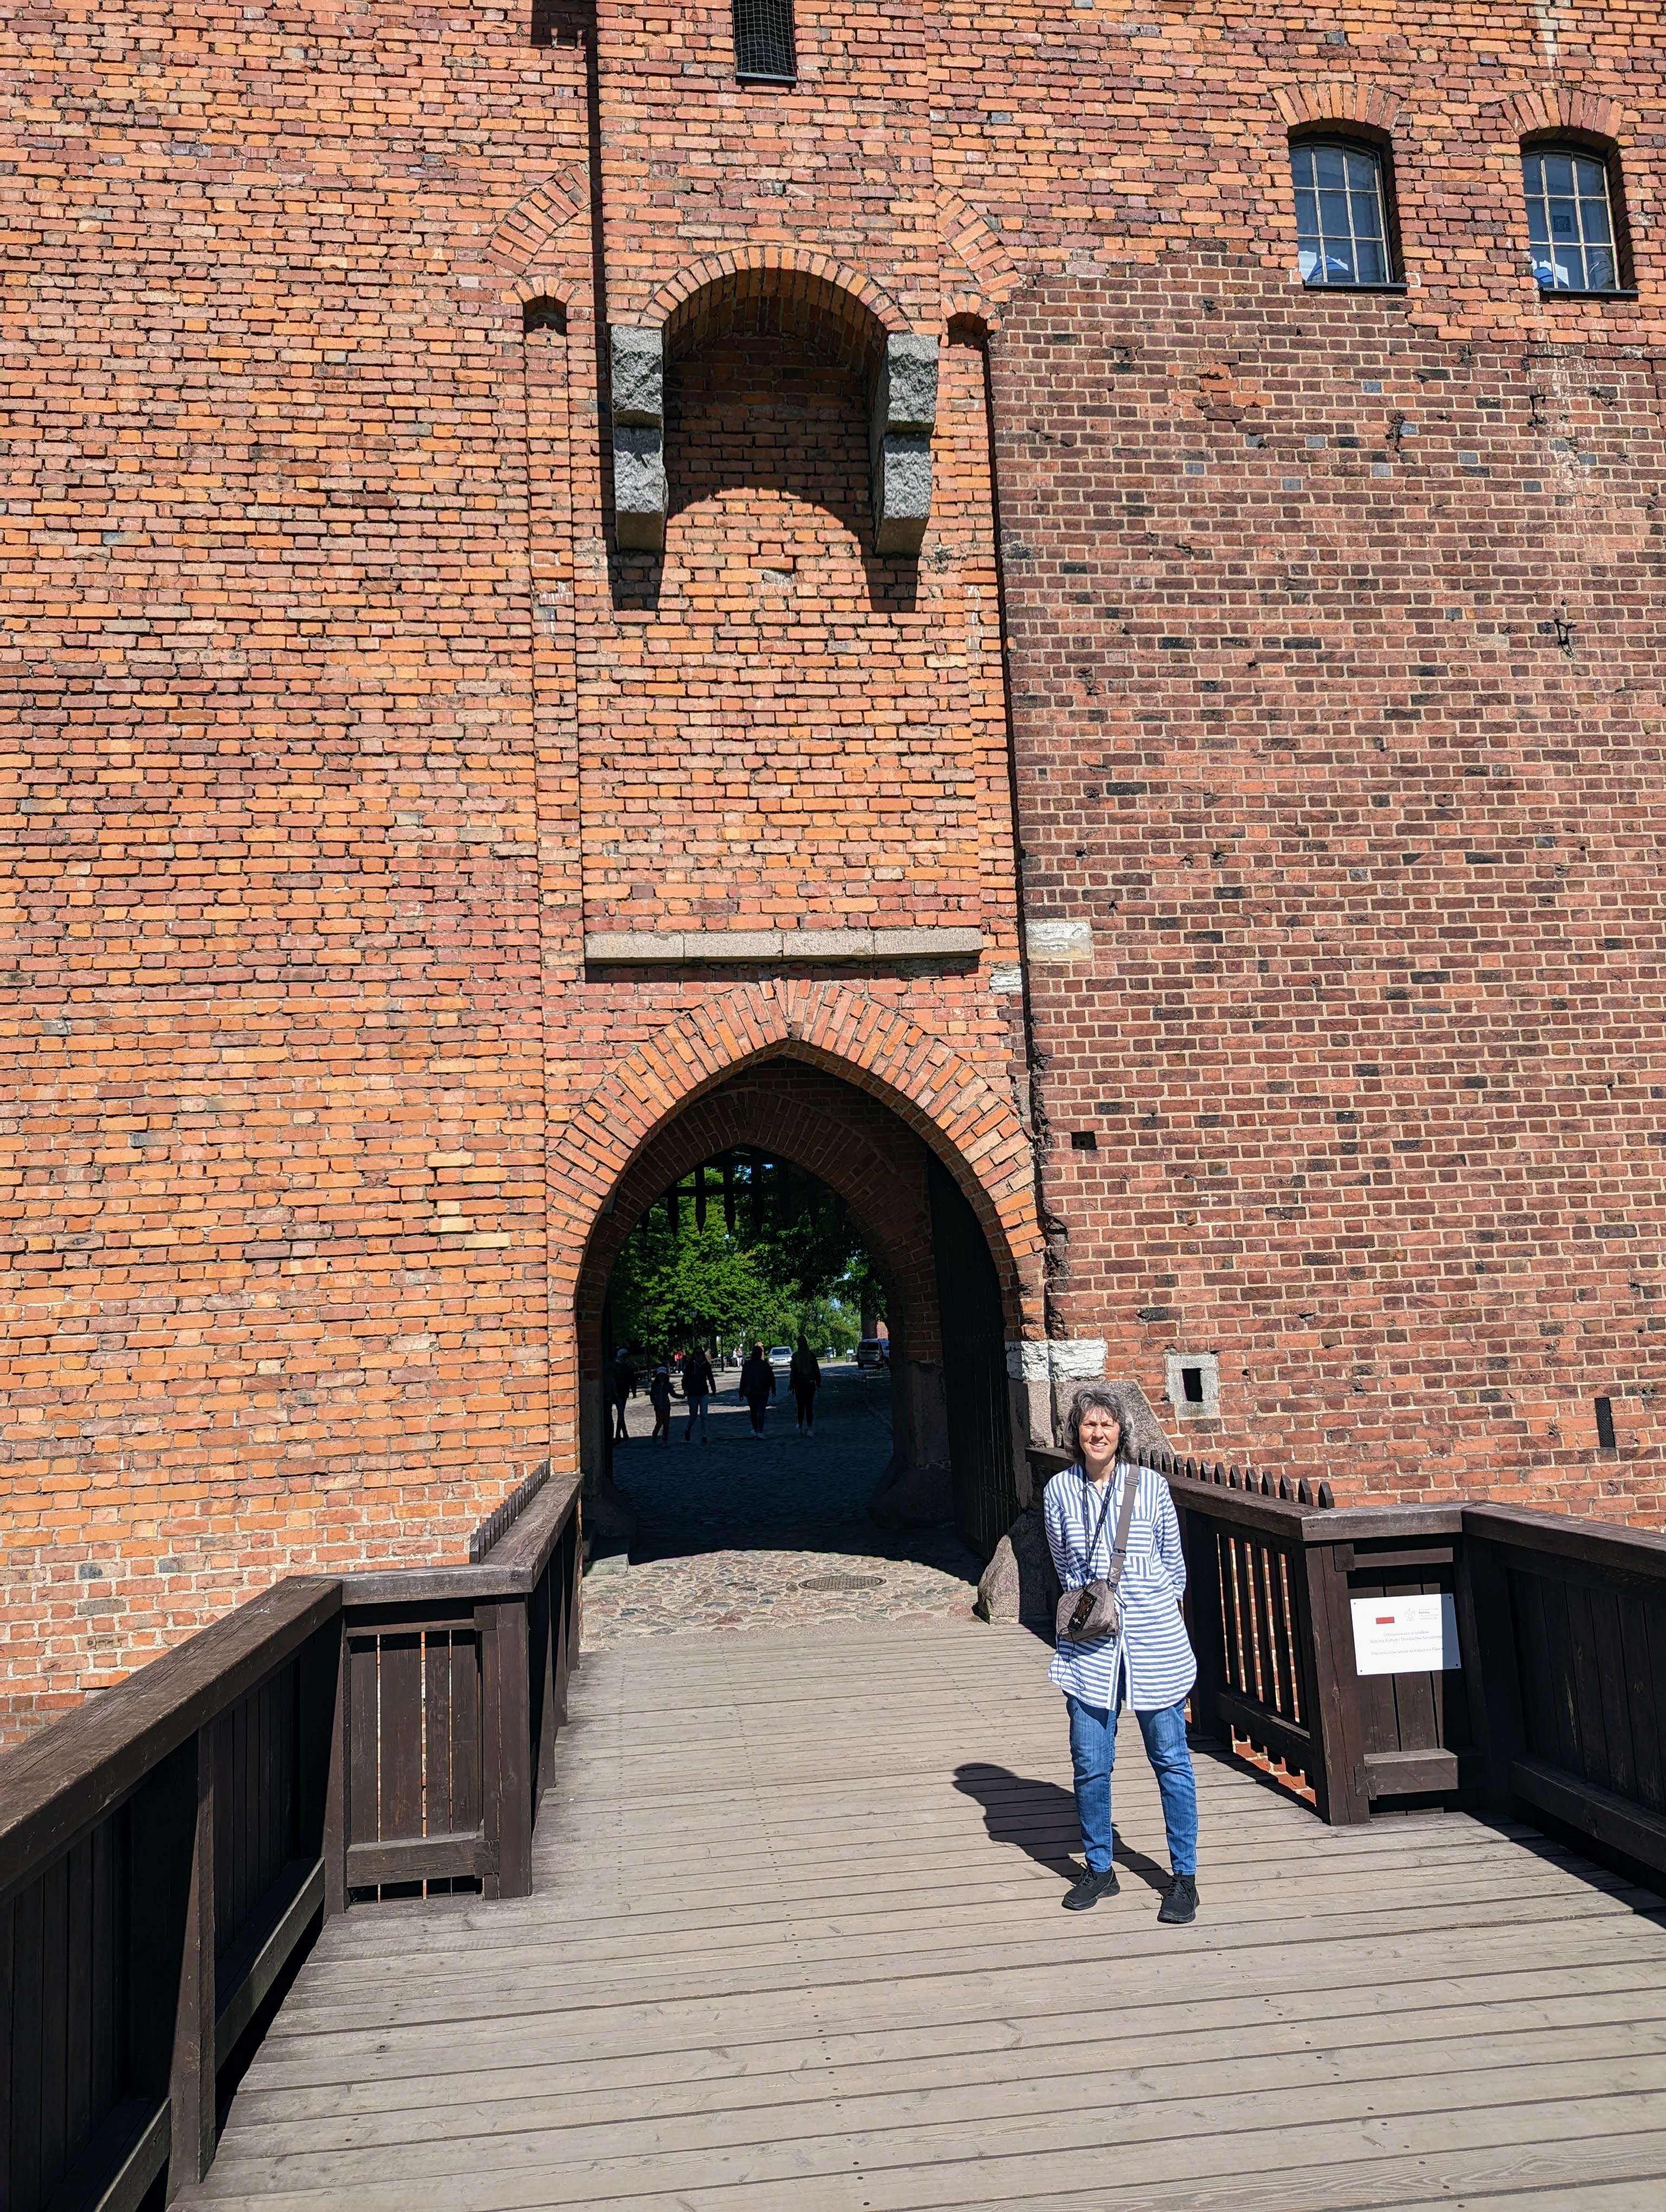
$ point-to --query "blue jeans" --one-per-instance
(696, 1413)
(1094, 1754)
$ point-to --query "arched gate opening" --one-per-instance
(951, 1297)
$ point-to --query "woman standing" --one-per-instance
(1147, 1659)
(758, 1387)
(698, 1384)
(805, 1377)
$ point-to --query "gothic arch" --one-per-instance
(962, 1119)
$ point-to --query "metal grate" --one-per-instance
(764, 42)
(843, 1582)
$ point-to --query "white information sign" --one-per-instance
(1405, 1635)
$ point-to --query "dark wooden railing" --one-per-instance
(1556, 1712)
(168, 1851)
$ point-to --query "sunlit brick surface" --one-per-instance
(333, 718)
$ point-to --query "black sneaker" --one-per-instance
(1089, 1889)
(1179, 1903)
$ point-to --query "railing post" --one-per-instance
(506, 1746)
(192, 2073)
(162, 1846)
(336, 1831)
(515, 1656)
(1331, 1694)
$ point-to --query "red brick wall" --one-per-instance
(327, 726)
(1336, 654)
(788, 736)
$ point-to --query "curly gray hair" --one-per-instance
(1106, 1398)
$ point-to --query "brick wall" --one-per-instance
(331, 717)
(1336, 654)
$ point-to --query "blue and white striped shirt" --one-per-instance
(1151, 1661)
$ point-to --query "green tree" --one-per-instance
(690, 1285)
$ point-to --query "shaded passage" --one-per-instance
(729, 1532)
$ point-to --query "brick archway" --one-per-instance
(824, 300)
(793, 1110)
(957, 1114)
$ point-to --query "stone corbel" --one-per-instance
(900, 442)
(638, 358)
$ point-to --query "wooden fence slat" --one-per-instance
(466, 1753)
(1272, 1688)
(106, 1990)
(1644, 1692)
(1540, 1733)
(78, 1971)
(1610, 1671)
(1278, 1569)
(1558, 1657)
(28, 1967)
(1242, 1554)
(1592, 1736)
(364, 1787)
(337, 1811)
(401, 1735)
(8, 2026)
(219, 1733)
(437, 1727)
(1417, 1723)
(54, 2020)
(191, 2074)
(1231, 1627)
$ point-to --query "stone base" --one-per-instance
(1019, 1583)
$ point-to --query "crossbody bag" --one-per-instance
(1087, 1615)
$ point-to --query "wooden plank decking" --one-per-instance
(795, 1941)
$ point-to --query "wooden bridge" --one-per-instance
(789, 1933)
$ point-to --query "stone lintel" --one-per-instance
(645, 947)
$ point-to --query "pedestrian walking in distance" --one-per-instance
(659, 1397)
(805, 1377)
(758, 1387)
(624, 1389)
(1115, 1537)
(698, 1384)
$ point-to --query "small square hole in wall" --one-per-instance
(1194, 1385)
(1084, 1140)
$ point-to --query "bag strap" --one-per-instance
(1093, 1544)
(1124, 1522)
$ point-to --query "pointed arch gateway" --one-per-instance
(933, 1166)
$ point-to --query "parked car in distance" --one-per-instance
(873, 1351)
(780, 1358)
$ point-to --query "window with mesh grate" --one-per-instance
(764, 47)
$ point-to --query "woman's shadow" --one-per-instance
(1039, 1819)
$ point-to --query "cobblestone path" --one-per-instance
(729, 1532)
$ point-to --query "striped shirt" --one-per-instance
(1150, 1663)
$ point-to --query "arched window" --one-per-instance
(765, 49)
(1570, 226)
(1341, 212)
